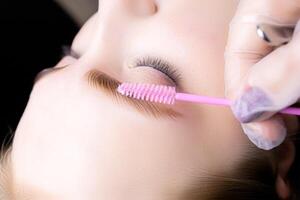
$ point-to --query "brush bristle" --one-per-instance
(148, 92)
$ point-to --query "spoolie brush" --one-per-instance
(168, 95)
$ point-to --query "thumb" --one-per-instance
(271, 84)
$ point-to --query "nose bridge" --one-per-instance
(117, 16)
(115, 20)
(134, 8)
(113, 23)
(111, 6)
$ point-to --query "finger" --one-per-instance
(244, 47)
(267, 134)
(272, 84)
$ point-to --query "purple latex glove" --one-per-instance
(260, 80)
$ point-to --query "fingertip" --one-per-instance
(266, 135)
(253, 104)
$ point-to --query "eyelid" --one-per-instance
(101, 80)
(161, 65)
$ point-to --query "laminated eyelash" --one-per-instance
(161, 66)
(98, 79)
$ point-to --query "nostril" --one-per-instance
(145, 7)
(155, 7)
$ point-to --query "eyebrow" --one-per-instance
(46, 72)
(99, 80)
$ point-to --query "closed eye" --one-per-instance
(161, 65)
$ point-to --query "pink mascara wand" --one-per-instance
(168, 95)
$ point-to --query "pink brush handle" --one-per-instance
(223, 102)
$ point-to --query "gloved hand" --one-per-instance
(259, 79)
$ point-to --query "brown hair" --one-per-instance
(5, 173)
(294, 173)
(252, 179)
(5, 168)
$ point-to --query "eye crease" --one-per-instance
(100, 80)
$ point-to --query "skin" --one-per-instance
(76, 142)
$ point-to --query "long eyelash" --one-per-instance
(100, 80)
(161, 66)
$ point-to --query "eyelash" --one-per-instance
(100, 80)
(160, 65)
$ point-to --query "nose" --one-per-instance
(116, 18)
(141, 8)
(115, 30)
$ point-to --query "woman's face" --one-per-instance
(76, 141)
